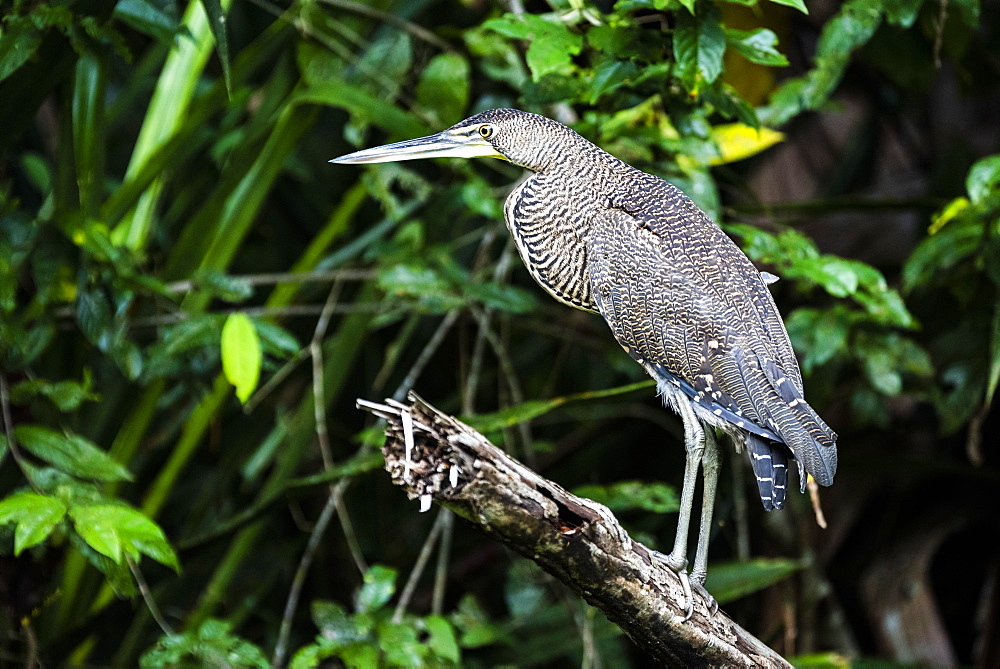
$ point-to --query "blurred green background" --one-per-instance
(191, 299)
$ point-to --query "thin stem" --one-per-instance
(296, 310)
(334, 503)
(418, 566)
(412, 28)
(275, 380)
(8, 427)
(281, 647)
(590, 659)
(273, 278)
(349, 534)
(425, 355)
(147, 597)
(507, 367)
(441, 569)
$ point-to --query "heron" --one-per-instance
(679, 295)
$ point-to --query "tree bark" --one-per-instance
(437, 458)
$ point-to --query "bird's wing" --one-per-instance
(672, 287)
(667, 212)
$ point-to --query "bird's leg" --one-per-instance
(710, 470)
(694, 447)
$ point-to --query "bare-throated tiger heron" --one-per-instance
(681, 298)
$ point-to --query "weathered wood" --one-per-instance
(437, 458)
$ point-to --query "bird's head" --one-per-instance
(519, 137)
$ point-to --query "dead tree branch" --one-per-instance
(435, 457)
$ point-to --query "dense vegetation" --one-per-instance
(191, 299)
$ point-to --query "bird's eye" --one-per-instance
(486, 131)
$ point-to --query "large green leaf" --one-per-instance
(757, 46)
(441, 638)
(217, 22)
(444, 87)
(630, 495)
(116, 530)
(34, 515)
(699, 43)
(70, 453)
(983, 179)
(376, 591)
(241, 354)
(66, 395)
(551, 45)
(731, 580)
(851, 28)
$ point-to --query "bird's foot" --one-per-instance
(678, 565)
(692, 583)
(698, 585)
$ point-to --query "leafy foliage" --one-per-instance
(191, 299)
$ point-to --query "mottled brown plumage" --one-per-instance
(680, 297)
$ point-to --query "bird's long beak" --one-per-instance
(447, 144)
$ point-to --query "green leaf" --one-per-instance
(609, 75)
(444, 87)
(434, 292)
(797, 4)
(17, 45)
(66, 395)
(360, 656)
(956, 241)
(112, 529)
(474, 623)
(819, 334)
(851, 28)
(950, 211)
(502, 297)
(96, 526)
(117, 574)
(984, 178)
(699, 44)
(629, 495)
(147, 17)
(229, 288)
(334, 624)
(35, 517)
(213, 644)
(363, 106)
(551, 45)
(757, 46)
(497, 59)
(390, 58)
(276, 340)
(882, 372)
(993, 377)
(378, 588)
(217, 22)
(70, 453)
(401, 645)
(732, 580)
(93, 315)
(902, 13)
(241, 354)
(442, 639)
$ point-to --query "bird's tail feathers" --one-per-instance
(811, 440)
(770, 466)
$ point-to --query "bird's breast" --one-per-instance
(549, 224)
